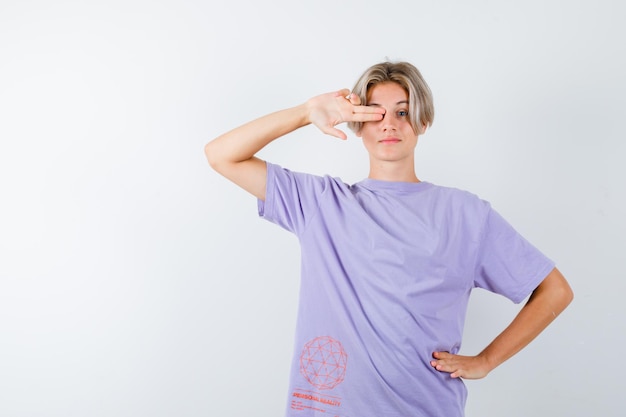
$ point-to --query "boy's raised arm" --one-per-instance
(233, 153)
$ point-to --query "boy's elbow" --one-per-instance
(568, 295)
(564, 293)
(212, 156)
(556, 290)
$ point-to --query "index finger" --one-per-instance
(368, 116)
(368, 109)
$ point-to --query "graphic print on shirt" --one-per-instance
(323, 364)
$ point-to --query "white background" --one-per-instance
(134, 281)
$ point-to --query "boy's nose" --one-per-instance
(388, 123)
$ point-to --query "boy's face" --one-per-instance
(392, 138)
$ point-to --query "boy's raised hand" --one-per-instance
(328, 110)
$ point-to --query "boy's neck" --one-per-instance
(388, 171)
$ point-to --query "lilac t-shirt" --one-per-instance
(387, 270)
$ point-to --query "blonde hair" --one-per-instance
(421, 107)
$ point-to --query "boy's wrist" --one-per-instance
(304, 110)
(488, 360)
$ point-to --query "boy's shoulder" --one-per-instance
(460, 197)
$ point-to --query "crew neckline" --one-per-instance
(382, 185)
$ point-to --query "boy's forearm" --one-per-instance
(242, 143)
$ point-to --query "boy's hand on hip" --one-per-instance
(458, 366)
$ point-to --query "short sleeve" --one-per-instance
(291, 198)
(507, 263)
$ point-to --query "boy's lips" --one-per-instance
(389, 140)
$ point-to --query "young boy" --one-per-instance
(388, 263)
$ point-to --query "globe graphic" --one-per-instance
(323, 362)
